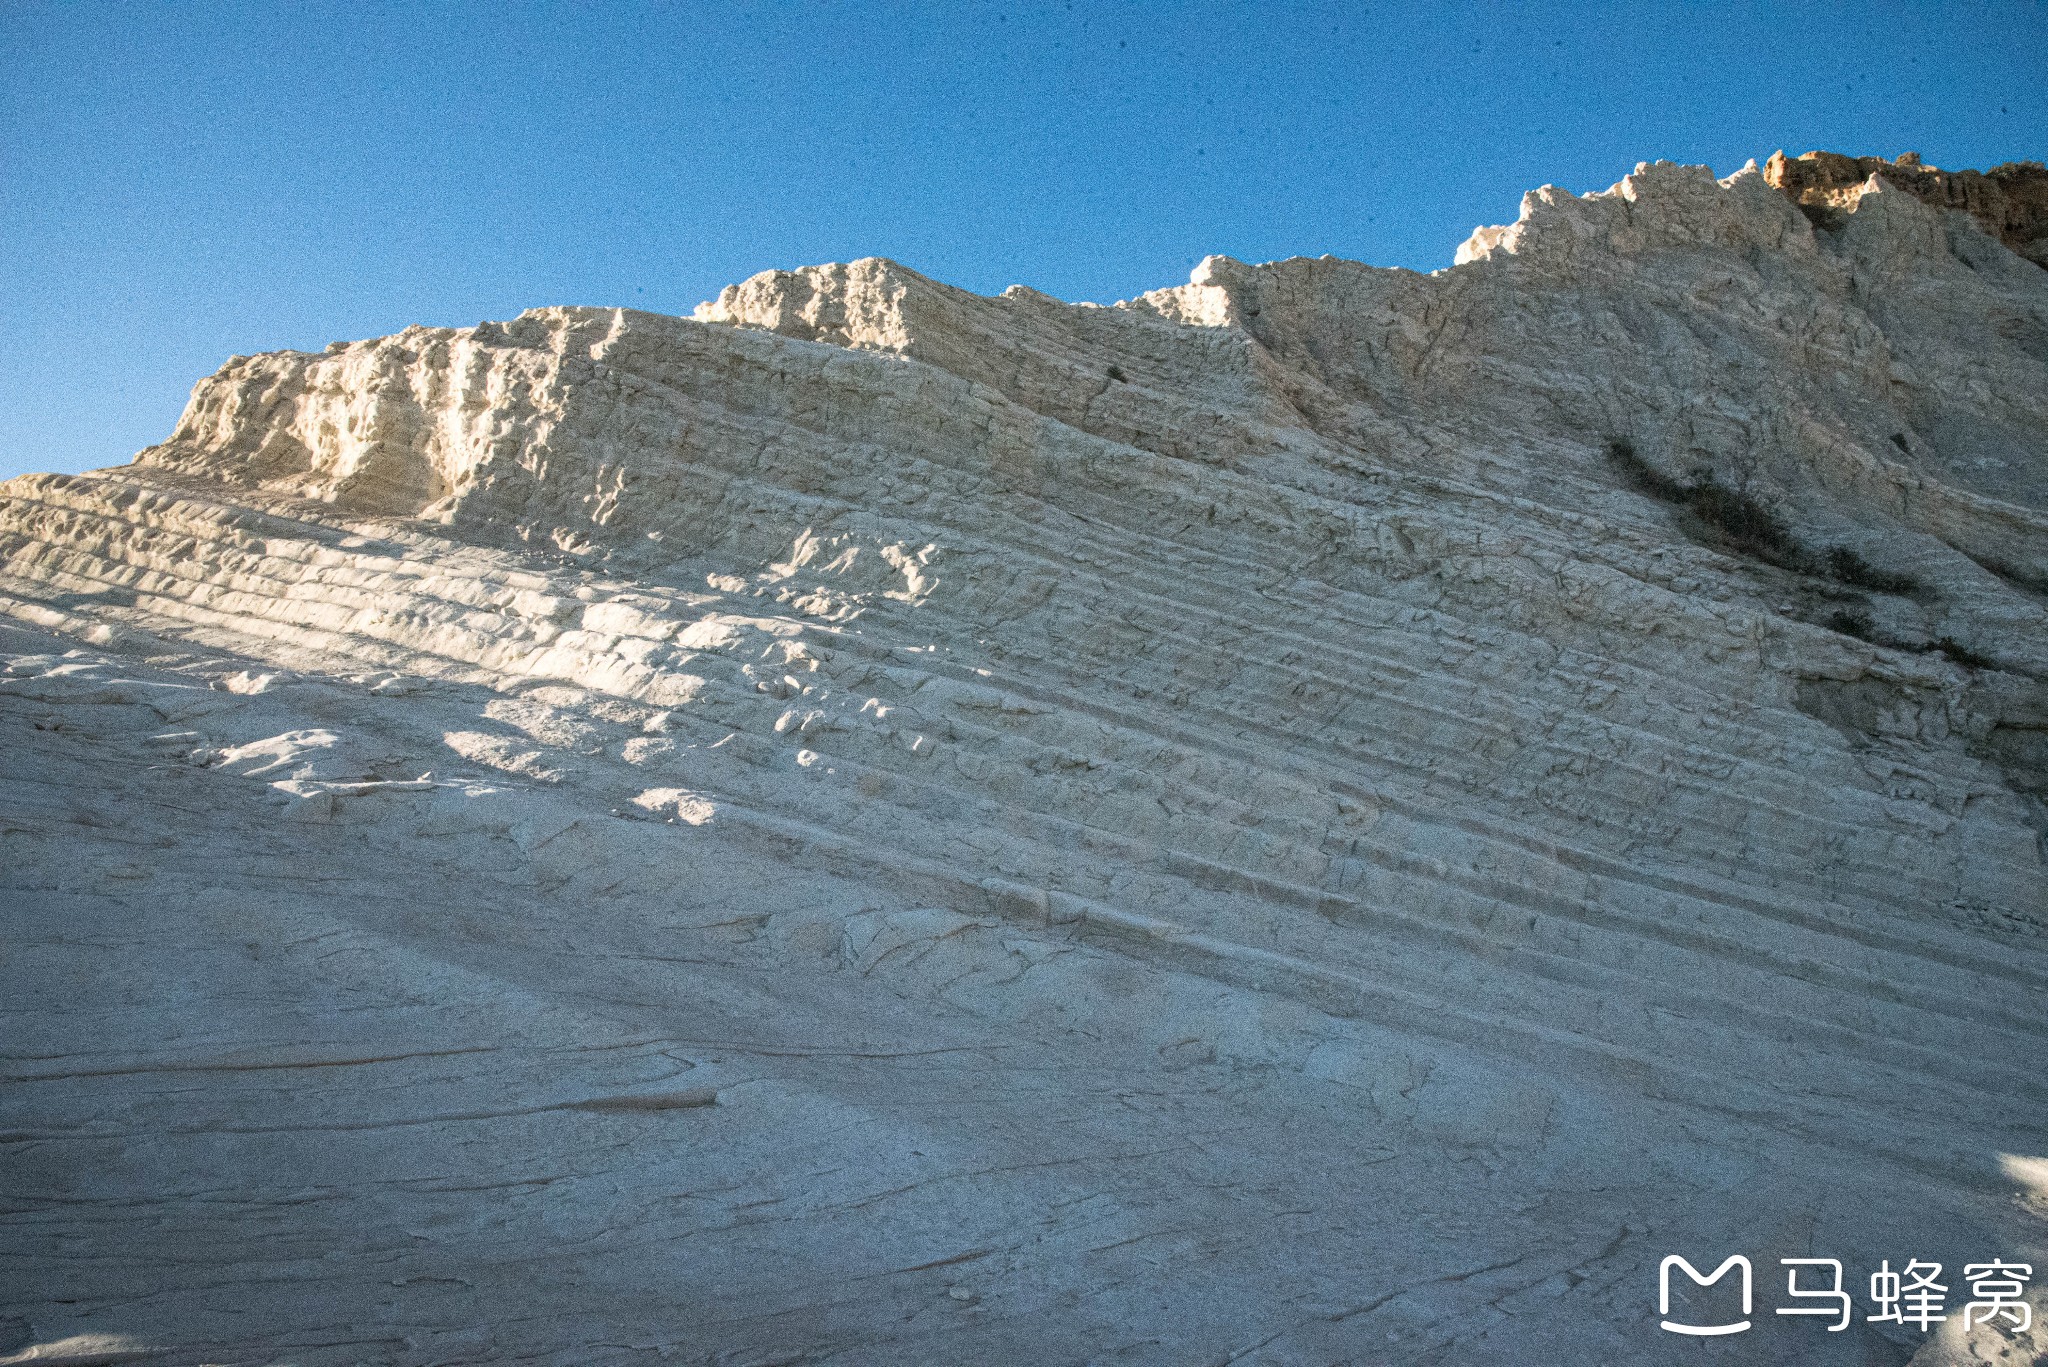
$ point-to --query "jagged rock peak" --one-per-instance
(1660, 205)
(2011, 200)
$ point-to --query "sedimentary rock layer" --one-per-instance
(2009, 201)
(1322, 814)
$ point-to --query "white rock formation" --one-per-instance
(1321, 815)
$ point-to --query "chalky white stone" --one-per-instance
(882, 825)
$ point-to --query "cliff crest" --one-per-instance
(2010, 201)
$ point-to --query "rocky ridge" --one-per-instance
(1317, 809)
(2010, 202)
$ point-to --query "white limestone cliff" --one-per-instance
(1322, 814)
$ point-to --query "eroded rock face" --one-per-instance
(2010, 201)
(1322, 814)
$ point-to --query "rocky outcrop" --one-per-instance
(1320, 814)
(2009, 201)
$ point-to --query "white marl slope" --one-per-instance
(883, 825)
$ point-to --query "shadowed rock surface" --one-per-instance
(1321, 815)
(2009, 201)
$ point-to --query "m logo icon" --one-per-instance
(1701, 1330)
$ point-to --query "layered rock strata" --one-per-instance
(1322, 814)
(2009, 201)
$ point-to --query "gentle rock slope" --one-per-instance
(1321, 815)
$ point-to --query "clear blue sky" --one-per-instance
(179, 183)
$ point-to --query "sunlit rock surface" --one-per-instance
(2010, 202)
(1321, 815)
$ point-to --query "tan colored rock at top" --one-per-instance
(2011, 201)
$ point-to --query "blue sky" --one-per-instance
(179, 183)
